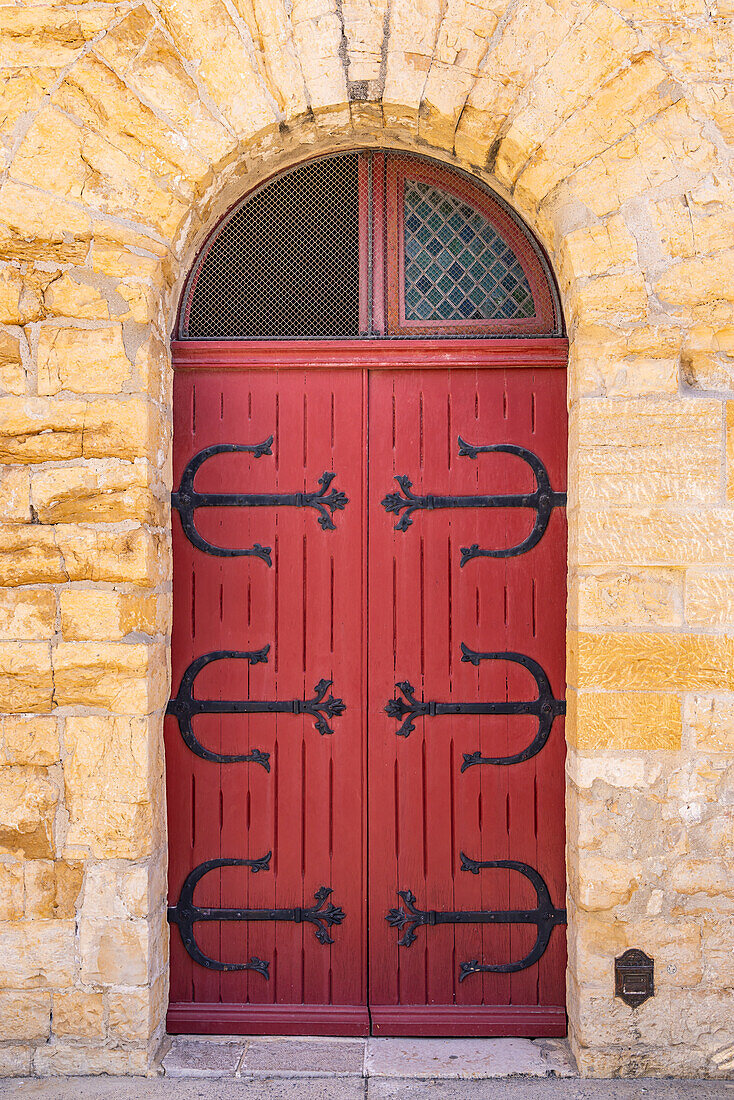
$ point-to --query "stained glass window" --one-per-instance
(457, 266)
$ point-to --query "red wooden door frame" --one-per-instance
(366, 355)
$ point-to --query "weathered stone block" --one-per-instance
(667, 662)
(26, 1015)
(52, 888)
(30, 740)
(730, 449)
(68, 297)
(81, 360)
(42, 430)
(37, 954)
(623, 362)
(12, 372)
(124, 678)
(14, 495)
(694, 876)
(65, 1058)
(647, 452)
(114, 952)
(600, 883)
(652, 536)
(698, 281)
(11, 891)
(622, 297)
(100, 491)
(78, 1014)
(709, 598)
(624, 720)
(26, 682)
(66, 552)
(27, 614)
(19, 303)
(711, 720)
(134, 1014)
(675, 945)
(629, 597)
(108, 615)
(28, 801)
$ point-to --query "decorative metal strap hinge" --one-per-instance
(187, 500)
(545, 708)
(545, 917)
(323, 915)
(542, 500)
(184, 707)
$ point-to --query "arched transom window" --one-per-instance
(369, 244)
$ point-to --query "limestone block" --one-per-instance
(670, 140)
(78, 1014)
(42, 430)
(135, 1013)
(698, 281)
(711, 720)
(623, 363)
(675, 946)
(12, 372)
(14, 495)
(621, 720)
(52, 888)
(694, 876)
(81, 360)
(46, 35)
(632, 95)
(628, 597)
(717, 938)
(100, 491)
(603, 1020)
(108, 615)
(157, 73)
(646, 451)
(15, 1060)
(605, 883)
(114, 952)
(25, 677)
(687, 230)
(93, 93)
(595, 249)
(27, 614)
(25, 1015)
(11, 891)
(141, 300)
(606, 297)
(65, 1058)
(112, 776)
(37, 954)
(596, 46)
(657, 662)
(19, 303)
(103, 892)
(709, 598)
(42, 226)
(224, 64)
(127, 678)
(68, 297)
(707, 358)
(43, 555)
(28, 801)
(30, 740)
(651, 536)
(111, 258)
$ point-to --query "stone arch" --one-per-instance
(125, 132)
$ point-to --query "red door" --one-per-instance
(343, 849)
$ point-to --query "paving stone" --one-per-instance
(386, 1088)
(299, 1058)
(452, 1058)
(202, 1058)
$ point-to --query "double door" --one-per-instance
(364, 745)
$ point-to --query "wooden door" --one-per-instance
(467, 611)
(295, 766)
(266, 779)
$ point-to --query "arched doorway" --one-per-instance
(365, 742)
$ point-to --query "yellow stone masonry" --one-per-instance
(125, 133)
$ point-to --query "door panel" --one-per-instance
(304, 803)
(425, 811)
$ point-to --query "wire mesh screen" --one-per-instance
(286, 263)
(457, 266)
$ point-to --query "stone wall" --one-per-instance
(126, 128)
